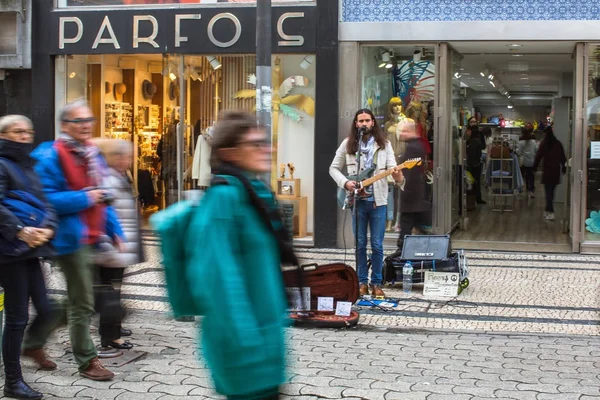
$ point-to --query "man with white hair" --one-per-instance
(71, 170)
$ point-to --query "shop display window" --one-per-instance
(592, 201)
(138, 98)
(398, 82)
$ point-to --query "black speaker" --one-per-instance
(426, 247)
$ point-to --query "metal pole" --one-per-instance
(263, 68)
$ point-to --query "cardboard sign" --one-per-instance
(325, 304)
(343, 308)
(441, 284)
(299, 302)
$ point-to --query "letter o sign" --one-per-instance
(236, 23)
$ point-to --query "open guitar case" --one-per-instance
(336, 280)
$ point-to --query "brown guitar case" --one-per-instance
(330, 280)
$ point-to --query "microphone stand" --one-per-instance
(359, 133)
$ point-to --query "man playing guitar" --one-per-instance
(375, 152)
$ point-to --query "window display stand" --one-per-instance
(288, 192)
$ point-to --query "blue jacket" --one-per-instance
(67, 203)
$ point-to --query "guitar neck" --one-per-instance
(375, 178)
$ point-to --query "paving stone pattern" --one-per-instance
(536, 293)
(359, 363)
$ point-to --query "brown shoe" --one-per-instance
(96, 371)
(377, 292)
(39, 356)
(363, 290)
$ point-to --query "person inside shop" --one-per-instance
(473, 124)
(552, 152)
(21, 248)
(527, 150)
(414, 208)
(71, 170)
(474, 148)
(375, 151)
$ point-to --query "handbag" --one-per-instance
(30, 210)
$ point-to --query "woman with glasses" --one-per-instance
(20, 271)
(237, 244)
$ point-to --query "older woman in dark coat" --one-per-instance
(20, 272)
(551, 151)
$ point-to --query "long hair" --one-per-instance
(352, 145)
(549, 138)
(394, 101)
(415, 111)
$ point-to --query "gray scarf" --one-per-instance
(367, 151)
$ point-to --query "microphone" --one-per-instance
(362, 130)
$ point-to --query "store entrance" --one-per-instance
(515, 93)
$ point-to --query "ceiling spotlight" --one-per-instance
(72, 75)
(389, 65)
(307, 61)
(492, 83)
(482, 74)
(516, 45)
(214, 63)
(385, 59)
(509, 96)
(417, 55)
(457, 75)
(510, 105)
(491, 76)
(172, 76)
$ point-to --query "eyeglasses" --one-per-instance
(29, 132)
(257, 144)
(80, 121)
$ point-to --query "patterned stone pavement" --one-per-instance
(534, 293)
(365, 362)
(526, 328)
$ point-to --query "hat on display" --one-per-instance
(108, 87)
(173, 91)
(148, 89)
(120, 88)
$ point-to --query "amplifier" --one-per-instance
(426, 247)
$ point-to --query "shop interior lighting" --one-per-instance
(492, 83)
(214, 63)
(417, 55)
(172, 76)
(482, 74)
(510, 105)
(72, 75)
(194, 75)
(491, 76)
(307, 61)
(385, 59)
(457, 75)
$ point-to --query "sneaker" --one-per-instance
(96, 371)
(363, 289)
(550, 217)
(377, 292)
(39, 356)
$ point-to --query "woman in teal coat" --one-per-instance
(236, 245)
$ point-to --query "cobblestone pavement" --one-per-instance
(533, 293)
(359, 363)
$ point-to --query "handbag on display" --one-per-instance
(30, 210)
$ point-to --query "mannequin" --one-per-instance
(395, 117)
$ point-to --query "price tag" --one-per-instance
(325, 304)
(343, 308)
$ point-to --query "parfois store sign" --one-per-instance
(186, 31)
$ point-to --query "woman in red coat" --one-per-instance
(553, 154)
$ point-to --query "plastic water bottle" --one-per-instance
(407, 277)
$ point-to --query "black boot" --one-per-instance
(20, 390)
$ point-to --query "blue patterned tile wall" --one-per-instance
(468, 10)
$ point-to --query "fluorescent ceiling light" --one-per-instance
(516, 45)
(492, 83)
(482, 74)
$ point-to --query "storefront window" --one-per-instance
(96, 3)
(398, 82)
(138, 98)
(592, 221)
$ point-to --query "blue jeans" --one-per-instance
(375, 218)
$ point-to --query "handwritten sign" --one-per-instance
(325, 304)
(441, 284)
(299, 302)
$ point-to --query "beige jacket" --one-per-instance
(385, 160)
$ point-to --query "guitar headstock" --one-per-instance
(411, 163)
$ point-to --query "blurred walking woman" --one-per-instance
(21, 245)
(237, 244)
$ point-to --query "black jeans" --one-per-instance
(108, 302)
(21, 280)
(408, 221)
(476, 172)
(529, 178)
(549, 189)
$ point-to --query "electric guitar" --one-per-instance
(365, 180)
